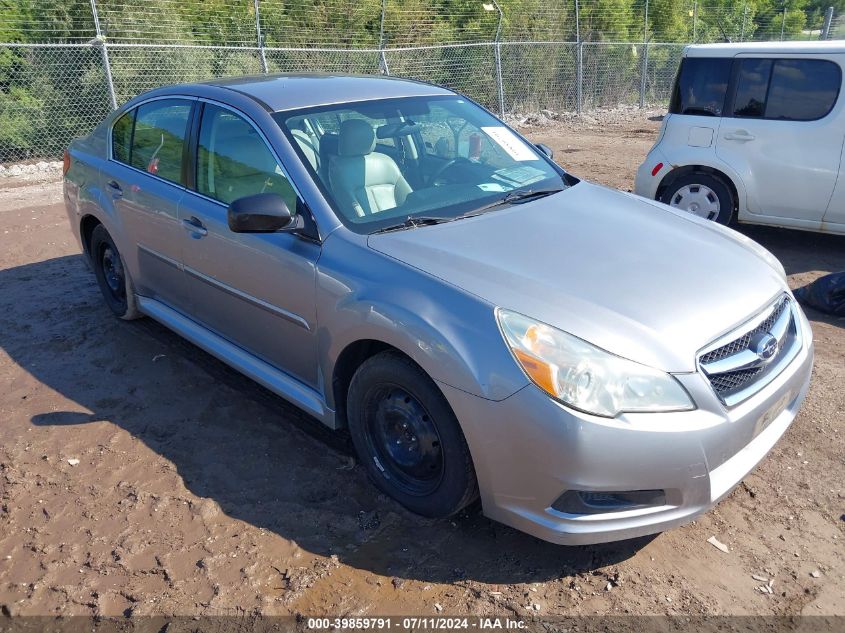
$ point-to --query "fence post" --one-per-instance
(383, 67)
(695, 22)
(261, 54)
(783, 21)
(100, 41)
(645, 57)
(497, 59)
(579, 61)
(828, 20)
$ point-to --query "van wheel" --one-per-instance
(703, 195)
(407, 437)
(112, 276)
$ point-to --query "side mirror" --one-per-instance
(548, 151)
(262, 213)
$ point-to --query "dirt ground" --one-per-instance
(196, 492)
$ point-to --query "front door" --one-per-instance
(835, 216)
(781, 134)
(255, 289)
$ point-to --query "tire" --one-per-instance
(425, 465)
(703, 195)
(112, 275)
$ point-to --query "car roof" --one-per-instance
(735, 48)
(291, 91)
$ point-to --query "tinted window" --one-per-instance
(233, 160)
(701, 86)
(751, 87)
(121, 136)
(802, 89)
(159, 136)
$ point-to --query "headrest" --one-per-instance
(357, 138)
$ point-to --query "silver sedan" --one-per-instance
(396, 261)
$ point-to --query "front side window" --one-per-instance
(786, 89)
(233, 161)
(436, 158)
(159, 137)
(701, 86)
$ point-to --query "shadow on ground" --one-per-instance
(230, 440)
(259, 458)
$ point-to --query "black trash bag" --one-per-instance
(826, 294)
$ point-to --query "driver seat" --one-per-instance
(364, 182)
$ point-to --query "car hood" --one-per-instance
(636, 278)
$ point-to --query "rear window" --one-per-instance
(786, 89)
(701, 86)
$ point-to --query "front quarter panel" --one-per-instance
(452, 335)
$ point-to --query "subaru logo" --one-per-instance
(765, 346)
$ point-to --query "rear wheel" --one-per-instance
(112, 276)
(702, 195)
(407, 437)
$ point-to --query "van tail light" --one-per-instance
(656, 169)
(66, 164)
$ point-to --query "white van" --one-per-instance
(756, 130)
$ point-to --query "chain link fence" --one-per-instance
(66, 64)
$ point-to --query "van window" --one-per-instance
(803, 89)
(752, 85)
(786, 89)
(701, 86)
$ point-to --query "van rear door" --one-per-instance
(782, 132)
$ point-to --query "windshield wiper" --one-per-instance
(513, 197)
(412, 222)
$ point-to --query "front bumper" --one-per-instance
(529, 449)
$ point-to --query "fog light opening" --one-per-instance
(601, 502)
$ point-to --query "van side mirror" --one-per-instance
(262, 213)
(548, 151)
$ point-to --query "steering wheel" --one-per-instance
(447, 166)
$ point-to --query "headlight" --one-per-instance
(585, 377)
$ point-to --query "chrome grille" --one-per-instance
(742, 342)
(744, 361)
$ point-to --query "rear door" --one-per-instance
(146, 182)
(255, 289)
(780, 132)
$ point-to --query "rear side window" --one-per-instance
(786, 89)
(121, 136)
(159, 137)
(701, 86)
(751, 87)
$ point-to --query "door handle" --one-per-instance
(739, 135)
(116, 189)
(194, 226)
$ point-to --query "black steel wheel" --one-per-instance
(111, 273)
(407, 437)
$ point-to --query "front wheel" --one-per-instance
(702, 195)
(408, 438)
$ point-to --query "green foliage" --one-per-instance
(58, 93)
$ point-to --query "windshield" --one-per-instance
(385, 161)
